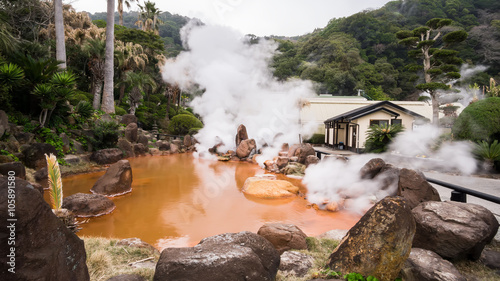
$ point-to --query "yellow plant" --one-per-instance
(55, 182)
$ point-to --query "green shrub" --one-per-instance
(194, 131)
(379, 137)
(479, 121)
(120, 111)
(47, 136)
(317, 139)
(182, 123)
(173, 112)
(105, 135)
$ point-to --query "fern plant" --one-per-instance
(380, 136)
(487, 152)
(55, 182)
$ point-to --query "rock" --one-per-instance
(188, 141)
(284, 237)
(78, 147)
(12, 144)
(137, 243)
(128, 118)
(127, 277)
(45, 248)
(38, 187)
(281, 162)
(425, 265)
(371, 168)
(241, 134)
(6, 159)
(230, 256)
(301, 151)
(174, 148)
(454, 230)
(131, 132)
(34, 155)
(285, 147)
(4, 123)
(163, 145)
(379, 243)
(336, 234)
(270, 189)
(125, 146)
(107, 156)
(72, 159)
(311, 159)
(154, 151)
(143, 140)
(88, 205)
(140, 149)
(116, 181)
(41, 174)
(24, 137)
(294, 168)
(245, 148)
(389, 181)
(13, 167)
(414, 187)
(66, 142)
(295, 263)
(491, 259)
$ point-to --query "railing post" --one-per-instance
(318, 154)
(458, 196)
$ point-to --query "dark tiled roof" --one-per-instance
(365, 110)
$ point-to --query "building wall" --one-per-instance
(322, 108)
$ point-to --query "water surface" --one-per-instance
(177, 200)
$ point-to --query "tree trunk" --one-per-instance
(435, 109)
(122, 94)
(108, 103)
(120, 12)
(97, 95)
(59, 25)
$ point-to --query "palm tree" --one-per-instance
(95, 49)
(139, 82)
(108, 101)
(120, 9)
(129, 57)
(148, 17)
(59, 25)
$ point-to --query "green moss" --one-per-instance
(479, 121)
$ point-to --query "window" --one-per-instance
(379, 122)
(396, 122)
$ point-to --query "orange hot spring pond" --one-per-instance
(178, 200)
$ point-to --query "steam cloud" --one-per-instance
(238, 88)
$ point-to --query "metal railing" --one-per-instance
(460, 193)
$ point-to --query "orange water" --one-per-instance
(177, 200)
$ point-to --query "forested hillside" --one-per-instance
(362, 51)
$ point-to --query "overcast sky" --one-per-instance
(259, 17)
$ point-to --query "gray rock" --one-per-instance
(128, 118)
(88, 205)
(72, 159)
(143, 140)
(131, 132)
(24, 137)
(127, 277)
(311, 159)
(107, 156)
(295, 263)
(491, 259)
(137, 243)
(126, 147)
(425, 265)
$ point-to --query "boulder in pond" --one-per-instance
(301, 151)
(88, 205)
(45, 249)
(284, 237)
(107, 156)
(231, 256)
(241, 134)
(268, 188)
(246, 148)
(454, 230)
(379, 243)
(116, 181)
(425, 265)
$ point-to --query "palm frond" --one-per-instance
(55, 182)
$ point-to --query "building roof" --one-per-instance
(365, 110)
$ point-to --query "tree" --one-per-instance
(95, 48)
(108, 100)
(439, 63)
(148, 17)
(129, 57)
(139, 82)
(120, 9)
(59, 25)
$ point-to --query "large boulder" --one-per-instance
(44, 249)
(13, 167)
(295, 263)
(379, 243)
(311, 159)
(241, 134)
(140, 149)
(116, 181)
(414, 187)
(245, 148)
(131, 132)
(454, 230)
(284, 237)
(24, 137)
(301, 151)
(389, 182)
(126, 147)
(88, 205)
(425, 265)
(128, 118)
(231, 256)
(269, 188)
(107, 156)
(34, 155)
(371, 168)
(188, 141)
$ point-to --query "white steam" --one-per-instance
(333, 180)
(238, 88)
